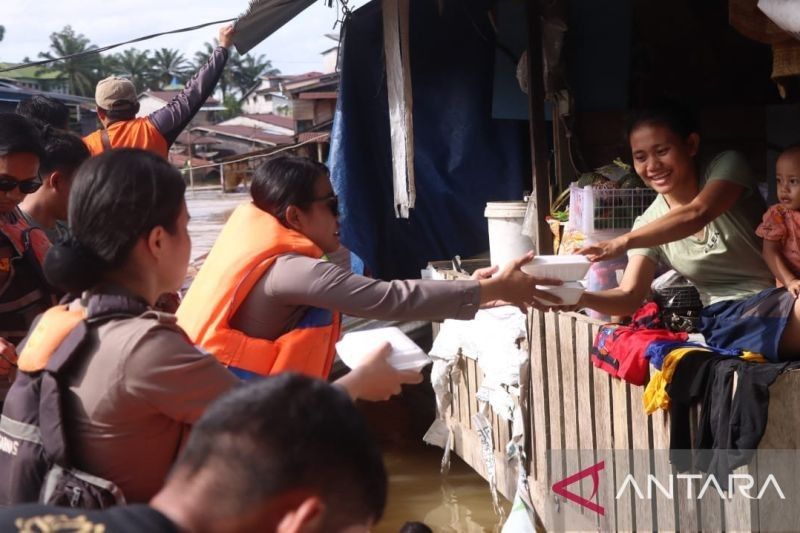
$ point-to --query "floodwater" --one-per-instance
(208, 209)
(459, 502)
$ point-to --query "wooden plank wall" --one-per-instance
(575, 408)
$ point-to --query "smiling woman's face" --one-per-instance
(319, 221)
(663, 159)
(19, 167)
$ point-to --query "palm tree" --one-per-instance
(136, 66)
(201, 58)
(169, 65)
(248, 68)
(82, 73)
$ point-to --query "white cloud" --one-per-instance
(294, 48)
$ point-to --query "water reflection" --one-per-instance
(459, 502)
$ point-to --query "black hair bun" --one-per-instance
(72, 267)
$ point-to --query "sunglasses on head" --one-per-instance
(28, 186)
(332, 201)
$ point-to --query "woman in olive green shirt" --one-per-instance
(705, 230)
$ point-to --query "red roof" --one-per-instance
(271, 118)
(318, 136)
(179, 160)
(183, 138)
(166, 96)
(319, 95)
(248, 133)
(304, 76)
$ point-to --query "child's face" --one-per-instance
(788, 179)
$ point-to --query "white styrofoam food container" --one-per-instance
(405, 354)
(570, 292)
(563, 267)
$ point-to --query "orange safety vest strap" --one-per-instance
(51, 330)
(135, 133)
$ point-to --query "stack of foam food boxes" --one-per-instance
(570, 269)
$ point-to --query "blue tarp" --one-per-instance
(463, 157)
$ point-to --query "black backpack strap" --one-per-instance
(51, 421)
(51, 414)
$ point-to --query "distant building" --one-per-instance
(150, 101)
(229, 140)
(36, 78)
(330, 57)
(83, 118)
(266, 122)
(312, 100)
(259, 99)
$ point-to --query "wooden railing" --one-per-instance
(573, 407)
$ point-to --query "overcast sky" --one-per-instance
(295, 48)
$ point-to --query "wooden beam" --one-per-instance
(539, 148)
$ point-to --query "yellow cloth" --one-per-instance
(655, 395)
(753, 357)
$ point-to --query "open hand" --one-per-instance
(605, 250)
(225, 37)
(515, 287)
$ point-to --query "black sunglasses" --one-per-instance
(332, 201)
(28, 186)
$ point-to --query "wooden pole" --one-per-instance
(539, 148)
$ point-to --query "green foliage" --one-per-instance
(170, 65)
(83, 73)
(233, 107)
(241, 72)
(150, 69)
(135, 65)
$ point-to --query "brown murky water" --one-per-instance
(458, 502)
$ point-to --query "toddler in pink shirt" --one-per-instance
(780, 227)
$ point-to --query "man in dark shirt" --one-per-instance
(24, 293)
(117, 105)
(287, 453)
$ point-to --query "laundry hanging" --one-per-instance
(398, 83)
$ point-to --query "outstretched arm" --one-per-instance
(171, 119)
(630, 294)
(777, 264)
(715, 198)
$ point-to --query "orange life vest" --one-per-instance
(53, 327)
(246, 248)
(25, 237)
(27, 293)
(135, 133)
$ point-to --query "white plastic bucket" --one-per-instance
(506, 241)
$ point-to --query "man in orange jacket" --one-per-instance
(117, 105)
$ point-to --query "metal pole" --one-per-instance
(222, 176)
(539, 148)
(191, 174)
(191, 177)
